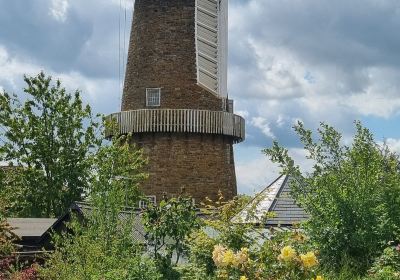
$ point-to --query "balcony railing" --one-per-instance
(179, 121)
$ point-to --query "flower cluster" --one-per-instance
(224, 257)
(308, 260)
(287, 254)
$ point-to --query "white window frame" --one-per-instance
(153, 97)
(152, 199)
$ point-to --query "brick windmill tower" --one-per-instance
(175, 100)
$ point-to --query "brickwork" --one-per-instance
(162, 54)
(202, 165)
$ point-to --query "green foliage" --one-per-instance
(167, 226)
(218, 228)
(387, 266)
(275, 266)
(352, 194)
(221, 214)
(6, 235)
(201, 244)
(88, 255)
(49, 136)
(193, 272)
(103, 247)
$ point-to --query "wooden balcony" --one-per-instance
(179, 121)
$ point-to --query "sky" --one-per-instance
(289, 60)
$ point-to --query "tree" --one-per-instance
(103, 246)
(352, 194)
(167, 227)
(49, 137)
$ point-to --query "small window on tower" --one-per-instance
(153, 97)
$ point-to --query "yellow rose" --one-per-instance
(243, 278)
(319, 278)
(228, 258)
(309, 260)
(242, 256)
(287, 254)
(218, 254)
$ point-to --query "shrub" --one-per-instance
(352, 194)
(387, 266)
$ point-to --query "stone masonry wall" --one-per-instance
(202, 165)
(162, 54)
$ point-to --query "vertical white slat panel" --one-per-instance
(146, 117)
(156, 121)
(139, 114)
(127, 122)
(179, 120)
(209, 122)
(191, 121)
(164, 120)
(186, 120)
(151, 122)
(207, 113)
(168, 120)
(174, 120)
(183, 121)
(142, 121)
(122, 124)
(197, 121)
(215, 122)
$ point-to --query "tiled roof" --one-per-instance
(275, 200)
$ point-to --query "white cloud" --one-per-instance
(393, 144)
(244, 114)
(59, 9)
(255, 171)
(264, 125)
(101, 93)
(299, 60)
(255, 174)
(12, 69)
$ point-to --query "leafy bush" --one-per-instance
(246, 264)
(224, 249)
(352, 194)
(6, 235)
(193, 272)
(103, 246)
(387, 266)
